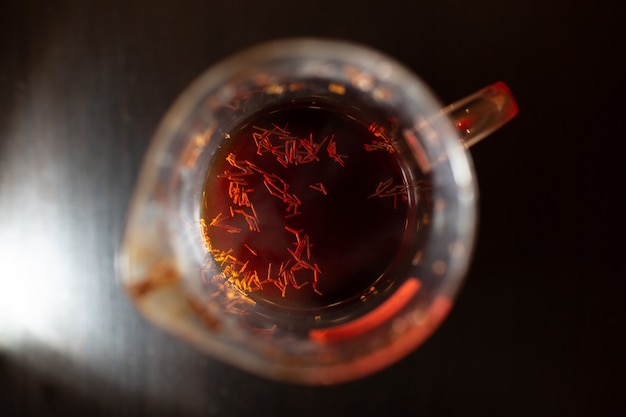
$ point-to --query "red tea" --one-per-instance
(306, 207)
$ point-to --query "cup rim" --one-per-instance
(457, 159)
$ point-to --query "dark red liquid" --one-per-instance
(305, 207)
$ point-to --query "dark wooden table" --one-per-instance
(83, 85)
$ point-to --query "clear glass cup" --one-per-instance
(365, 276)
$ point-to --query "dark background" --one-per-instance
(535, 330)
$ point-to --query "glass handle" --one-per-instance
(482, 113)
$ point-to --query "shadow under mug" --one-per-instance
(306, 210)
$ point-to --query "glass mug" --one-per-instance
(306, 210)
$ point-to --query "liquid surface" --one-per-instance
(305, 208)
